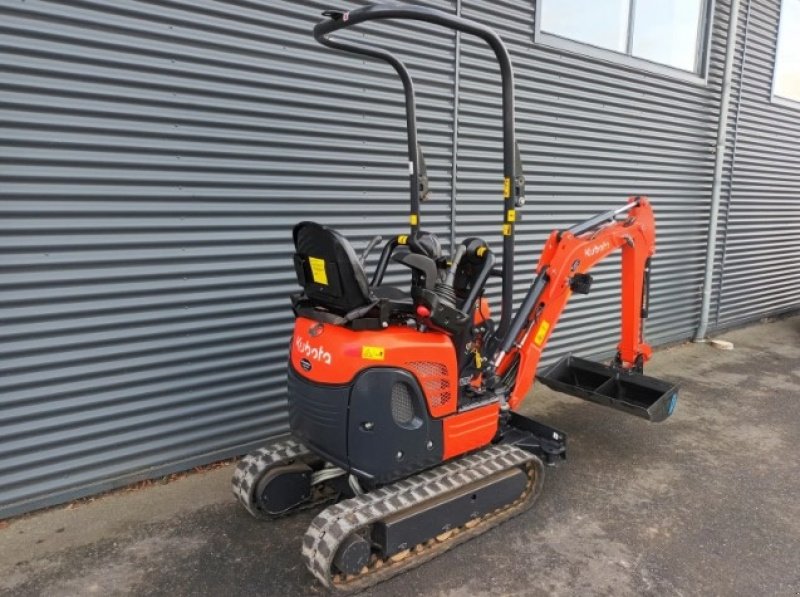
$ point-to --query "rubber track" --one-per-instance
(335, 523)
(253, 466)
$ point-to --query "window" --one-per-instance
(786, 81)
(599, 23)
(662, 33)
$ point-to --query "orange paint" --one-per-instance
(567, 254)
(336, 354)
(470, 430)
(483, 312)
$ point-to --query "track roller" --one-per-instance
(353, 554)
(281, 478)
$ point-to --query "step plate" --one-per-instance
(636, 394)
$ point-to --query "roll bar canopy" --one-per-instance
(513, 181)
(417, 171)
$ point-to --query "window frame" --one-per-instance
(773, 97)
(702, 57)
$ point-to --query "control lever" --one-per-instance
(368, 249)
(438, 305)
(445, 289)
(425, 265)
(451, 274)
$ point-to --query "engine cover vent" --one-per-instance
(434, 379)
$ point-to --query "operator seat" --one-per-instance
(328, 270)
(469, 267)
(335, 286)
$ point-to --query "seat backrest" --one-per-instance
(469, 267)
(328, 269)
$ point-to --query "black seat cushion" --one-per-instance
(328, 269)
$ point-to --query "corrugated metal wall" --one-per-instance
(155, 154)
(154, 158)
(759, 265)
(592, 133)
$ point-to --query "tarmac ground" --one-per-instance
(706, 503)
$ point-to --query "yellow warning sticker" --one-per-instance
(541, 333)
(318, 270)
(511, 216)
(373, 353)
(402, 239)
(414, 219)
(507, 187)
(507, 229)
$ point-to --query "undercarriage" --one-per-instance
(366, 537)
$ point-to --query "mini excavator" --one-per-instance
(403, 404)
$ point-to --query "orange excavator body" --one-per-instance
(336, 355)
(404, 400)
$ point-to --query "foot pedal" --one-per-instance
(636, 394)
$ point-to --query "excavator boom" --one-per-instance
(563, 269)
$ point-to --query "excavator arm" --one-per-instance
(563, 269)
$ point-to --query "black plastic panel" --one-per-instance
(354, 425)
(318, 416)
(381, 448)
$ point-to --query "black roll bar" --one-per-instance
(417, 170)
(512, 178)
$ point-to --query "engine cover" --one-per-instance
(371, 402)
(377, 427)
(333, 355)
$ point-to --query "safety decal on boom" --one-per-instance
(541, 333)
(318, 270)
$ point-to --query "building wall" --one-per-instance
(592, 133)
(758, 264)
(154, 158)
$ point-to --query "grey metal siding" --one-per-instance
(154, 158)
(154, 155)
(592, 133)
(759, 269)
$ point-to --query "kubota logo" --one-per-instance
(592, 251)
(318, 353)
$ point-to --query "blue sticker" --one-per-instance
(672, 402)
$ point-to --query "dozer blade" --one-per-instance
(630, 392)
(370, 538)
